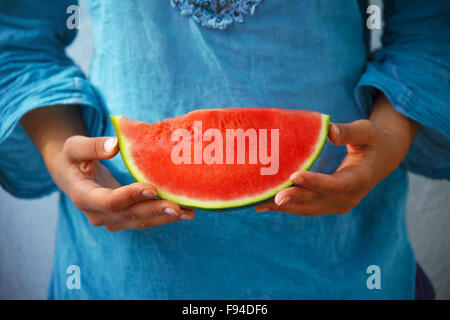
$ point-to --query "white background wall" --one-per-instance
(27, 227)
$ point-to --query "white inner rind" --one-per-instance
(216, 204)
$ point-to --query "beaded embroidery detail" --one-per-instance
(216, 14)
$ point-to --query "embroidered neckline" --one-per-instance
(216, 14)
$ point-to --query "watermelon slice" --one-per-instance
(222, 158)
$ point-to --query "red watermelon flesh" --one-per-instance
(225, 181)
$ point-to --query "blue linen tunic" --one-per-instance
(151, 63)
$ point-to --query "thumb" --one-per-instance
(359, 132)
(80, 148)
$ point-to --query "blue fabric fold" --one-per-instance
(412, 69)
(35, 72)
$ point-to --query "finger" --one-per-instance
(80, 148)
(360, 132)
(141, 211)
(297, 194)
(142, 224)
(99, 218)
(91, 196)
(154, 208)
(266, 206)
(310, 208)
(345, 180)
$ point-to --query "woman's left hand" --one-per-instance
(375, 148)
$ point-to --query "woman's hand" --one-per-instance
(73, 162)
(375, 148)
(105, 202)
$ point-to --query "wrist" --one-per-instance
(399, 129)
(49, 128)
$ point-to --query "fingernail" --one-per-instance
(171, 212)
(110, 144)
(185, 217)
(148, 194)
(336, 129)
(297, 177)
(283, 201)
(294, 176)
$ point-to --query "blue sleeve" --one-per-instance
(35, 72)
(412, 69)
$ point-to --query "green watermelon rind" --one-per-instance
(214, 205)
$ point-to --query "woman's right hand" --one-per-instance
(73, 162)
(95, 191)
